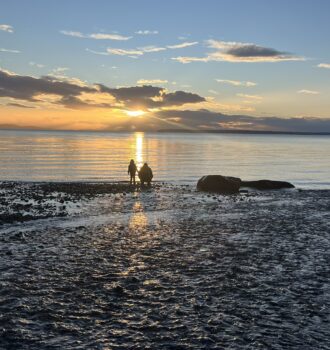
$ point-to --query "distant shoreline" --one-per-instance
(261, 132)
(181, 131)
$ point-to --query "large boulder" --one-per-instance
(267, 184)
(219, 184)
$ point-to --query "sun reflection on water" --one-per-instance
(139, 138)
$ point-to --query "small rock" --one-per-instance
(118, 290)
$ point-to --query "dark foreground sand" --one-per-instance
(103, 267)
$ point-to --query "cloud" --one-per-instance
(63, 78)
(38, 65)
(75, 102)
(102, 36)
(148, 96)
(151, 81)
(204, 119)
(179, 98)
(214, 105)
(239, 52)
(246, 52)
(152, 48)
(59, 70)
(6, 28)
(132, 93)
(96, 36)
(73, 93)
(28, 88)
(74, 34)
(324, 65)
(123, 52)
(252, 97)
(9, 50)
(182, 45)
(308, 92)
(236, 82)
(187, 59)
(98, 52)
(12, 104)
(134, 53)
(146, 32)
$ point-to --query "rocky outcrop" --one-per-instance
(219, 184)
(230, 185)
(267, 184)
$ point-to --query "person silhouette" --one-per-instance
(132, 169)
(145, 174)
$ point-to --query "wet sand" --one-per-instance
(106, 267)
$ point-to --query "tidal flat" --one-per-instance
(106, 266)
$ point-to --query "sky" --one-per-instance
(146, 65)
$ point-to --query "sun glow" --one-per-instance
(135, 113)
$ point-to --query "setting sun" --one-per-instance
(135, 113)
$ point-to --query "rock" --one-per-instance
(267, 184)
(229, 185)
(219, 184)
(19, 235)
(236, 179)
(119, 290)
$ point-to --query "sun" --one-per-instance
(135, 113)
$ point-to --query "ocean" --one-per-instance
(175, 157)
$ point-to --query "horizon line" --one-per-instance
(209, 131)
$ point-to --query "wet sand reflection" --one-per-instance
(138, 220)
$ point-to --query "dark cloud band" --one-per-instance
(254, 51)
(28, 88)
(206, 120)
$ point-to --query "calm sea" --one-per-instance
(180, 157)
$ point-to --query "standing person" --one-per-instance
(145, 174)
(132, 169)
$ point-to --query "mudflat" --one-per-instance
(109, 266)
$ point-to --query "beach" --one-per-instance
(107, 266)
